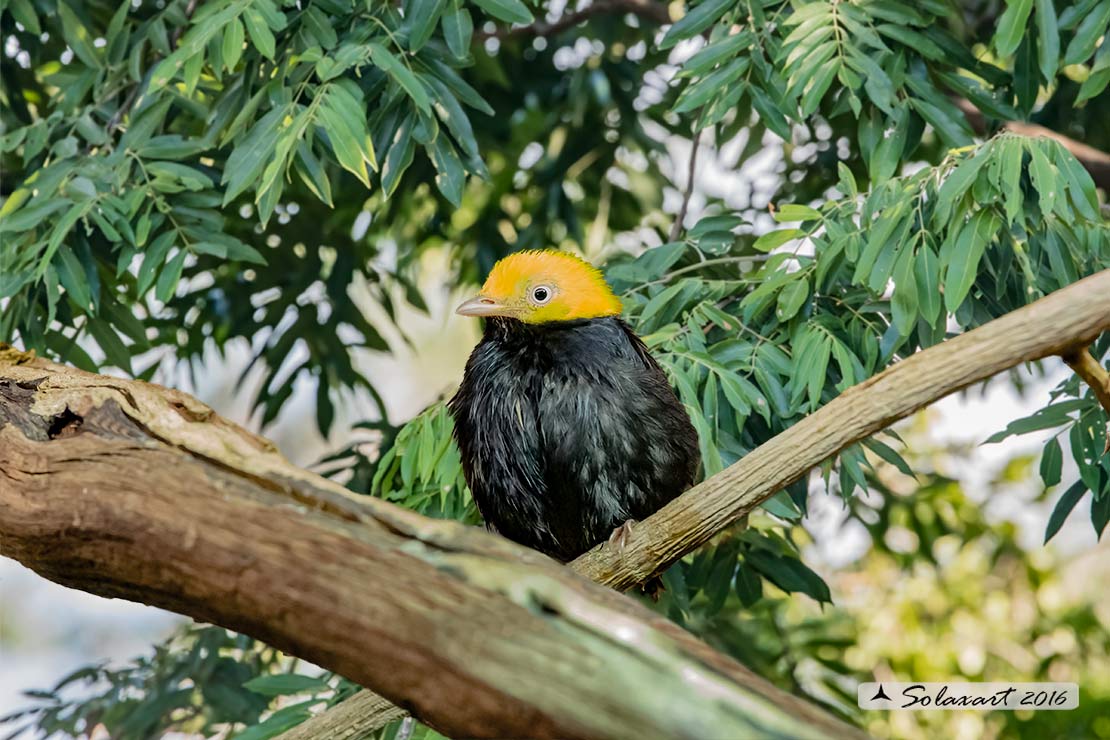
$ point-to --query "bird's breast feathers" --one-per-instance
(571, 426)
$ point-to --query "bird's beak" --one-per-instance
(480, 305)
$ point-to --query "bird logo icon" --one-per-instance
(880, 694)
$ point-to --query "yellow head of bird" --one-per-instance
(541, 286)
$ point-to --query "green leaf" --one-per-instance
(1049, 417)
(277, 723)
(1046, 180)
(815, 91)
(311, 171)
(1095, 83)
(216, 249)
(781, 506)
(404, 77)
(792, 298)
(716, 52)
(153, 258)
(789, 574)
(77, 35)
(167, 281)
(24, 13)
(232, 44)
(1048, 39)
(963, 263)
(749, 586)
(796, 212)
(1052, 462)
(510, 11)
(318, 24)
(399, 156)
(818, 370)
(61, 230)
(1063, 507)
(887, 453)
(1011, 26)
(260, 34)
(770, 114)
(716, 242)
(886, 157)
(109, 342)
(1012, 156)
(421, 17)
(948, 122)
(450, 175)
(348, 137)
(774, 239)
(1087, 34)
(458, 29)
(927, 275)
(1100, 511)
(694, 22)
(904, 305)
(252, 154)
(959, 179)
(285, 683)
(697, 95)
(30, 216)
(1081, 187)
(71, 274)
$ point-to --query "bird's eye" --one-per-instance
(541, 294)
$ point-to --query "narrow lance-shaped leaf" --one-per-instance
(1011, 26)
(963, 264)
(1048, 39)
(510, 11)
(1063, 507)
(404, 77)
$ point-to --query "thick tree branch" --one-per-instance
(1095, 161)
(129, 490)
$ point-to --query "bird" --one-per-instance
(568, 429)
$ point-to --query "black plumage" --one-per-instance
(568, 429)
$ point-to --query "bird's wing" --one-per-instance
(615, 439)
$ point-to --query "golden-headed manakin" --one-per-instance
(568, 427)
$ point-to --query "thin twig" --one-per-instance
(676, 227)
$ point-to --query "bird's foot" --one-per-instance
(653, 588)
(620, 535)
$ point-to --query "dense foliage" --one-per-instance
(181, 176)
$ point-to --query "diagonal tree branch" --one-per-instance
(1059, 324)
(129, 490)
(1054, 325)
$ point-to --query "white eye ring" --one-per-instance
(541, 294)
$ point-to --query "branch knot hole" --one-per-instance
(65, 424)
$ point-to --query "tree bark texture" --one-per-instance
(129, 490)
